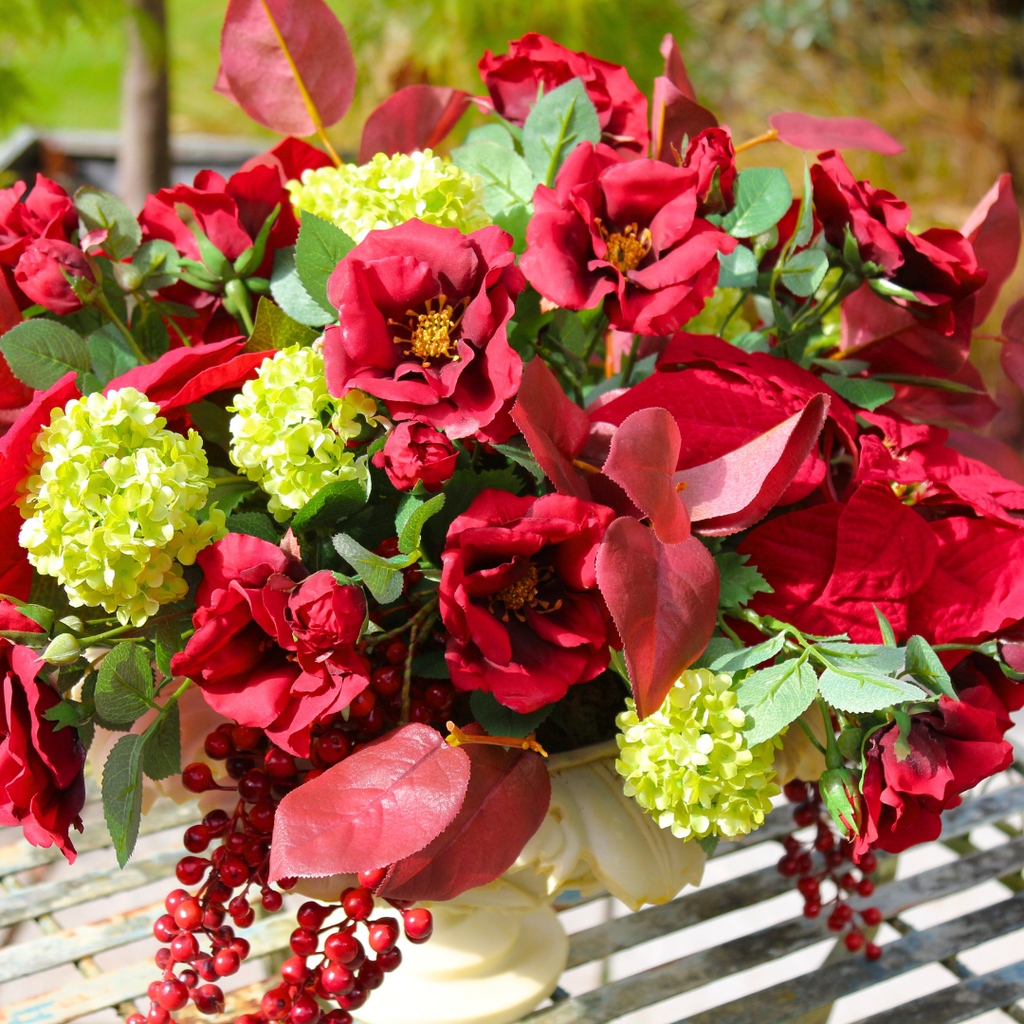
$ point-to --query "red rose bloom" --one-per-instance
(40, 274)
(273, 649)
(423, 314)
(951, 750)
(628, 231)
(535, 62)
(709, 154)
(414, 452)
(47, 212)
(42, 785)
(518, 595)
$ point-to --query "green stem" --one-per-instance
(729, 631)
(627, 369)
(833, 758)
(732, 312)
(108, 312)
(810, 735)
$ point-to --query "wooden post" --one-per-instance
(144, 160)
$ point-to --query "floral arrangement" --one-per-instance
(409, 472)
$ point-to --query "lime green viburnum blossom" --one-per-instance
(689, 766)
(290, 437)
(111, 507)
(391, 190)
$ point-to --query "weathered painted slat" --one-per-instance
(959, 1002)
(797, 995)
(689, 972)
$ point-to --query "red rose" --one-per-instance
(42, 785)
(414, 452)
(709, 154)
(518, 595)
(423, 314)
(48, 212)
(270, 651)
(951, 750)
(535, 62)
(626, 230)
(40, 274)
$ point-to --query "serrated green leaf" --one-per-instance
(40, 352)
(762, 197)
(803, 273)
(879, 658)
(751, 341)
(926, 667)
(275, 329)
(69, 713)
(861, 391)
(291, 295)
(431, 665)
(122, 795)
(382, 576)
(508, 181)
(253, 524)
(330, 505)
(859, 692)
(739, 268)
(885, 627)
(157, 261)
(109, 354)
(124, 687)
(409, 533)
(320, 247)
(496, 131)
(560, 121)
(748, 657)
(739, 581)
(38, 613)
(718, 647)
(499, 720)
(519, 452)
(99, 209)
(775, 696)
(161, 752)
(167, 641)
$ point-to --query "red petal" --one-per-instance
(383, 803)
(993, 228)
(817, 133)
(664, 600)
(259, 77)
(416, 117)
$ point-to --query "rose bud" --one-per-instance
(842, 798)
(41, 274)
(415, 452)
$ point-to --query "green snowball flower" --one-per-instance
(688, 764)
(111, 508)
(289, 436)
(391, 190)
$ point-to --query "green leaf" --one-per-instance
(708, 844)
(775, 696)
(515, 220)
(861, 391)
(718, 647)
(890, 290)
(561, 120)
(739, 268)
(878, 658)
(805, 222)
(161, 752)
(496, 132)
(168, 642)
(519, 452)
(499, 720)
(739, 581)
(938, 383)
(99, 209)
(411, 529)
(212, 421)
(885, 627)
(291, 295)
(88, 384)
(109, 354)
(763, 196)
(330, 505)
(274, 328)
(461, 491)
(431, 665)
(751, 341)
(253, 524)
(157, 261)
(321, 246)
(122, 795)
(803, 273)
(381, 576)
(40, 352)
(508, 181)
(924, 665)
(69, 713)
(748, 657)
(124, 689)
(25, 639)
(859, 692)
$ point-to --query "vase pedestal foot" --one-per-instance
(479, 967)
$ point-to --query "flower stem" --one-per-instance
(458, 738)
(768, 136)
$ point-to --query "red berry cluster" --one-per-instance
(836, 852)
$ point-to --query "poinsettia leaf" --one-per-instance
(739, 582)
(775, 696)
(416, 117)
(382, 803)
(499, 720)
(762, 196)
(506, 802)
(290, 293)
(925, 666)
(268, 46)
(803, 131)
(748, 657)
(664, 600)
(558, 123)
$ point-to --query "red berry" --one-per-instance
(805, 814)
(372, 723)
(173, 995)
(279, 764)
(154, 989)
(254, 786)
(209, 999)
(419, 712)
(157, 1014)
(792, 844)
(226, 962)
(197, 839)
(371, 879)
(294, 970)
(383, 936)
(835, 924)
(872, 917)
(135, 1018)
(419, 924)
(164, 929)
(824, 841)
(388, 547)
(390, 960)
(834, 858)
(865, 887)
(337, 979)
(218, 891)
(337, 1017)
(354, 999)
(358, 904)
(184, 947)
(305, 1010)
(872, 952)
(245, 737)
(362, 703)
(311, 915)
(868, 863)
(197, 778)
(796, 791)
(276, 1003)
(787, 867)
(176, 896)
(853, 941)
(386, 681)
(343, 948)
(218, 746)
(844, 912)
(804, 863)
(245, 920)
(438, 696)
(163, 958)
(812, 908)
(371, 975)
(334, 746)
(271, 900)
(234, 871)
(303, 942)
(207, 970)
(241, 947)
(188, 915)
(808, 886)
(395, 652)
(261, 817)
(214, 917)
(249, 1018)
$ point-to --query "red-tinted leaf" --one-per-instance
(817, 133)
(664, 600)
(379, 805)
(259, 76)
(674, 115)
(993, 228)
(555, 427)
(508, 797)
(416, 117)
(675, 69)
(1012, 354)
(641, 460)
(997, 454)
(741, 488)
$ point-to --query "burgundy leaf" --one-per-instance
(675, 69)
(416, 117)
(737, 490)
(664, 600)
(818, 133)
(674, 115)
(1012, 354)
(379, 805)
(268, 46)
(555, 428)
(508, 797)
(641, 460)
(993, 228)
